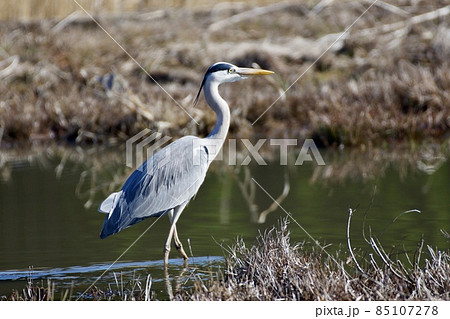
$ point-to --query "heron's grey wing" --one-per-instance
(171, 177)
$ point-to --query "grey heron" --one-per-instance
(167, 181)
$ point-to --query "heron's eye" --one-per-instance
(231, 70)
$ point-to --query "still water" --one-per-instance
(49, 220)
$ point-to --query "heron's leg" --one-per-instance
(174, 214)
(167, 245)
(179, 245)
(166, 249)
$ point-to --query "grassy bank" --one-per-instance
(275, 269)
(386, 81)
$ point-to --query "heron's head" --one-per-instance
(223, 72)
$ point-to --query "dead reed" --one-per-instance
(131, 289)
(386, 81)
(274, 269)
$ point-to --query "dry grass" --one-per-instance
(274, 269)
(131, 289)
(374, 86)
(29, 10)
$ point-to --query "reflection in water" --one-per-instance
(178, 278)
(48, 216)
(247, 187)
(278, 201)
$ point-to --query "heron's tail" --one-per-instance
(107, 206)
(110, 226)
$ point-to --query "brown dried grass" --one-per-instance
(374, 87)
(274, 269)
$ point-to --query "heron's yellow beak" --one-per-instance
(250, 71)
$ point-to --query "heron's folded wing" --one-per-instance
(171, 177)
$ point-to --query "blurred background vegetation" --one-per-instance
(28, 10)
(64, 80)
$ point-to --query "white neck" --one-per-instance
(216, 138)
(220, 107)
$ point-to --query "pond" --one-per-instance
(49, 224)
